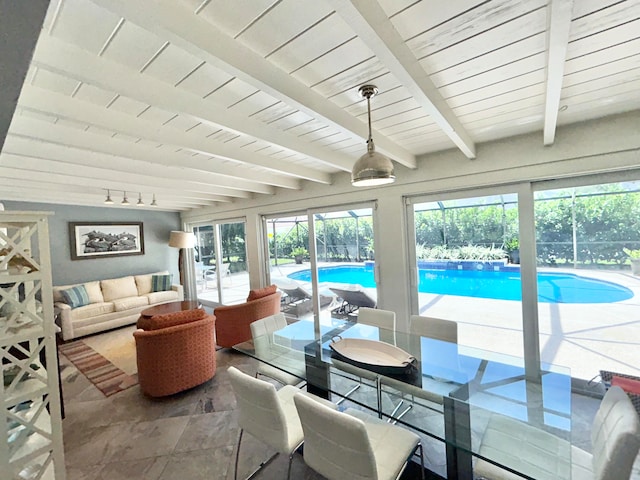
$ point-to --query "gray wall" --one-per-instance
(156, 227)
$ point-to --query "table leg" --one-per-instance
(457, 431)
(317, 371)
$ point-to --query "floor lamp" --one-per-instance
(181, 240)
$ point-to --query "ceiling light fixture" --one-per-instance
(140, 202)
(153, 202)
(125, 200)
(372, 168)
(108, 200)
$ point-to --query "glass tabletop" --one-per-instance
(475, 386)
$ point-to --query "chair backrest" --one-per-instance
(336, 445)
(615, 436)
(260, 412)
(445, 330)
(268, 325)
(384, 319)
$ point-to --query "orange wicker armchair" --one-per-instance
(232, 322)
(175, 352)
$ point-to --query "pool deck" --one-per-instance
(585, 337)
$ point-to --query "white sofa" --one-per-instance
(113, 303)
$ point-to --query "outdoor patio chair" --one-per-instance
(353, 297)
(296, 292)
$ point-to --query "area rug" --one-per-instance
(108, 378)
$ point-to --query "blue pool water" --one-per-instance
(552, 287)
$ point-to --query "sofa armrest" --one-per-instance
(180, 289)
(64, 320)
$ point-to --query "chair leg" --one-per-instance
(346, 395)
(260, 467)
(235, 472)
(289, 469)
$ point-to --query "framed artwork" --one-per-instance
(105, 239)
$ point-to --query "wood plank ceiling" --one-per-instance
(199, 102)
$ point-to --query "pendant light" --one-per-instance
(153, 202)
(125, 200)
(372, 168)
(140, 202)
(108, 200)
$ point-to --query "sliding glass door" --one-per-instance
(343, 242)
(221, 263)
(588, 237)
(467, 270)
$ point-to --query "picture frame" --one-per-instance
(90, 240)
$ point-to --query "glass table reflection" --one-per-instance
(472, 385)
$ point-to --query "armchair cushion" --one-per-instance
(170, 319)
(261, 292)
(233, 321)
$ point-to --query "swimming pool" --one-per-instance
(500, 285)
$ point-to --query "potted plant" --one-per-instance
(299, 253)
(634, 256)
(512, 247)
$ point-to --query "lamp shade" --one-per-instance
(179, 239)
(372, 169)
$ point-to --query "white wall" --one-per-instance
(595, 147)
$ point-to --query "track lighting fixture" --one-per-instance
(125, 199)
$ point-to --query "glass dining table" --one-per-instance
(465, 388)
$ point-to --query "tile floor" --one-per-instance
(192, 435)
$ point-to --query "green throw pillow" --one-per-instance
(160, 283)
(76, 296)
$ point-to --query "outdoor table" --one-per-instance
(482, 383)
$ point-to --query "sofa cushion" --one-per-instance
(161, 297)
(92, 310)
(94, 292)
(261, 292)
(143, 282)
(160, 283)
(128, 303)
(170, 319)
(115, 288)
(75, 296)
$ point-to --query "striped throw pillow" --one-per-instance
(76, 296)
(160, 283)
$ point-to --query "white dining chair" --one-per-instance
(615, 442)
(262, 333)
(431, 390)
(269, 415)
(354, 445)
(385, 320)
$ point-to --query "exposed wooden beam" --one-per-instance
(559, 25)
(45, 101)
(177, 24)
(129, 182)
(63, 58)
(57, 142)
(374, 28)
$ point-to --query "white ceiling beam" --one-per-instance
(174, 22)
(374, 28)
(65, 59)
(558, 28)
(45, 101)
(129, 182)
(65, 144)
